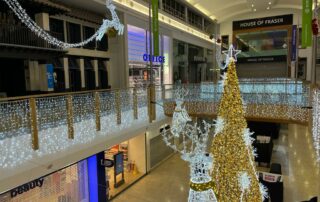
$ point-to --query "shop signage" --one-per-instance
(155, 26)
(294, 43)
(27, 187)
(147, 58)
(199, 59)
(306, 23)
(263, 22)
(50, 77)
(118, 163)
(281, 58)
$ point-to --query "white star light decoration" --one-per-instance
(230, 53)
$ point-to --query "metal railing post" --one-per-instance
(70, 117)
(118, 106)
(151, 103)
(97, 110)
(135, 104)
(34, 124)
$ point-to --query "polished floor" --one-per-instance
(293, 149)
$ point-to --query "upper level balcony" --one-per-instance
(21, 36)
(38, 130)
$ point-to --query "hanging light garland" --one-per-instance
(15, 6)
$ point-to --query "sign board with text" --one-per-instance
(263, 22)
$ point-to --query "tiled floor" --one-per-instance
(293, 149)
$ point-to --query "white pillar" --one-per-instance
(83, 79)
(34, 75)
(42, 19)
(66, 73)
(108, 68)
(96, 72)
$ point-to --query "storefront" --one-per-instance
(139, 58)
(265, 45)
(129, 160)
(69, 184)
(192, 63)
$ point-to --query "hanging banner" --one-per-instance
(155, 27)
(306, 23)
(294, 43)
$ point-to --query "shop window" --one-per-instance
(103, 45)
(194, 19)
(74, 32)
(87, 33)
(58, 74)
(74, 74)
(174, 8)
(57, 29)
(262, 43)
(89, 74)
(103, 75)
(68, 184)
(129, 164)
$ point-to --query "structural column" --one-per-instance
(42, 19)
(66, 73)
(82, 71)
(96, 72)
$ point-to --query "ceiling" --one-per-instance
(222, 10)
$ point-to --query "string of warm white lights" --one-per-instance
(15, 134)
(15, 6)
(316, 122)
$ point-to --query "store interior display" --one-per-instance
(127, 171)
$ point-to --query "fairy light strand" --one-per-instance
(15, 6)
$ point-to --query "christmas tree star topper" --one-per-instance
(230, 53)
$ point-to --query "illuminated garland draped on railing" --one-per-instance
(15, 6)
(316, 123)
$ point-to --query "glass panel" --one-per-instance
(69, 184)
(262, 43)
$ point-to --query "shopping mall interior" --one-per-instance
(159, 100)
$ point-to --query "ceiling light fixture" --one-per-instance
(268, 8)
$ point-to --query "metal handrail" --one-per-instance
(21, 35)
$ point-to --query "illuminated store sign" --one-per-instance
(279, 58)
(27, 187)
(148, 58)
(263, 22)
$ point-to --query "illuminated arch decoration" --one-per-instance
(15, 6)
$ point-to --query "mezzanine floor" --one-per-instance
(293, 149)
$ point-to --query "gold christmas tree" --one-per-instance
(234, 171)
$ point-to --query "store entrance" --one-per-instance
(129, 159)
(12, 78)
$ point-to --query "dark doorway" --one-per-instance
(59, 80)
(12, 77)
(103, 75)
(89, 74)
(74, 74)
